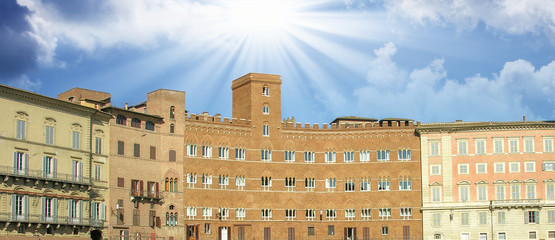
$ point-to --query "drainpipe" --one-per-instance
(491, 217)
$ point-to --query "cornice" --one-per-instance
(483, 126)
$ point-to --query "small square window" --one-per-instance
(463, 168)
(499, 167)
(435, 169)
(310, 231)
(385, 230)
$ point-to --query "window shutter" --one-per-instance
(73, 168)
(44, 168)
(158, 222)
(93, 211)
(69, 207)
(80, 203)
(537, 217)
(26, 162)
(157, 190)
(14, 209)
(55, 208)
(526, 217)
(15, 162)
(102, 211)
(141, 187)
(80, 164)
(54, 167)
(26, 207)
(43, 208)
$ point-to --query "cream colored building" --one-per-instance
(488, 180)
(54, 167)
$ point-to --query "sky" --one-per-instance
(431, 61)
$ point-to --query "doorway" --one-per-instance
(350, 233)
(192, 232)
(224, 233)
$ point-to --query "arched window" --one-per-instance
(171, 184)
(136, 123)
(121, 120)
(175, 184)
(149, 125)
(172, 112)
(167, 186)
(172, 128)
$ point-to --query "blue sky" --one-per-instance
(432, 61)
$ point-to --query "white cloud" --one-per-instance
(23, 82)
(429, 95)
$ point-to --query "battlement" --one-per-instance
(382, 124)
(204, 117)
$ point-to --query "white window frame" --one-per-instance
(384, 213)
(462, 146)
(265, 155)
(529, 144)
(463, 168)
(434, 172)
(240, 153)
(496, 169)
(49, 135)
(480, 146)
(365, 156)
(382, 155)
(512, 168)
(265, 109)
(223, 153)
(435, 148)
(265, 130)
(404, 154)
(384, 184)
(309, 157)
(485, 168)
(513, 145)
(548, 144)
(498, 145)
(464, 193)
(530, 166)
(482, 192)
(329, 157)
(191, 150)
(349, 156)
(289, 156)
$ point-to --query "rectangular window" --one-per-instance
(309, 157)
(240, 153)
(97, 171)
(350, 214)
(436, 220)
(76, 140)
(513, 145)
(530, 166)
(482, 192)
(267, 233)
(514, 167)
(240, 213)
(121, 182)
(266, 130)
(480, 146)
(434, 148)
(551, 216)
(384, 213)
(515, 192)
(152, 153)
(223, 152)
(77, 171)
(483, 218)
(20, 207)
(498, 146)
(289, 156)
(404, 155)
(191, 212)
(136, 150)
(548, 144)
(406, 213)
(385, 230)
(499, 167)
(330, 184)
(266, 155)
(436, 194)
(290, 214)
(267, 214)
(405, 184)
(501, 236)
(20, 163)
(223, 181)
(383, 155)
(499, 192)
(331, 214)
(383, 184)
(462, 147)
(20, 131)
(348, 157)
(463, 168)
(331, 230)
(531, 235)
(481, 168)
(49, 132)
(530, 191)
(265, 91)
(98, 145)
(206, 213)
(529, 144)
(550, 190)
(435, 169)
(240, 182)
(206, 151)
(49, 167)
(463, 193)
(224, 213)
(501, 217)
(365, 156)
(531, 217)
(191, 150)
(191, 180)
(548, 166)
(75, 208)
(121, 149)
(266, 183)
(349, 185)
(366, 213)
(483, 236)
(310, 231)
(551, 234)
(206, 180)
(329, 157)
(365, 184)
(465, 219)
(136, 217)
(310, 214)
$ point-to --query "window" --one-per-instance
(385, 213)
(530, 191)
(514, 167)
(530, 166)
(309, 157)
(240, 182)
(384, 184)
(240, 213)
(20, 207)
(149, 125)
(365, 156)
(550, 190)
(191, 212)
(206, 180)
(483, 236)
(515, 191)
(49, 165)
(171, 156)
(480, 146)
(463, 168)
(136, 150)
(310, 214)
(501, 217)
(290, 183)
(266, 155)
(365, 184)
(266, 183)
(240, 153)
(436, 220)
(310, 231)
(97, 172)
(267, 214)
(350, 214)
(513, 145)
(290, 214)
(548, 166)
(191, 180)
(348, 157)
(223, 152)
(438, 236)
(331, 230)
(49, 133)
(551, 234)
(206, 151)
(120, 216)
(331, 214)
(465, 219)
(121, 182)
(191, 150)
(531, 235)
(136, 123)
(20, 163)
(121, 120)
(21, 129)
(206, 213)
(499, 167)
(265, 109)
(406, 213)
(498, 145)
(223, 181)
(483, 218)
(349, 185)
(330, 184)
(224, 213)
(266, 130)
(75, 208)
(366, 213)
(463, 193)
(499, 192)
(436, 194)
(172, 128)
(152, 153)
(434, 148)
(329, 157)
(385, 230)
(121, 149)
(98, 145)
(383, 155)
(77, 171)
(404, 155)
(267, 233)
(482, 192)
(265, 91)
(309, 184)
(289, 156)
(551, 216)
(481, 168)
(405, 183)
(435, 169)
(152, 218)
(172, 112)
(531, 217)
(529, 144)
(76, 140)
(501, 236)
(462, 147)
(548, 144)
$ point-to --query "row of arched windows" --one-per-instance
(171, 185)
(135, 122)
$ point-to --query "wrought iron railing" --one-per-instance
(41, 175)
(63, 220)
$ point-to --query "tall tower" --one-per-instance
(257, 97)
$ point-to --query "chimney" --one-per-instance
(524, 118)
(125, 106)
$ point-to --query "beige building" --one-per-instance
(54, 167)
(488, 180)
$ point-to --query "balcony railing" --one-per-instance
(140, 195)
(517, 203)
(61, 220)
(41, 175)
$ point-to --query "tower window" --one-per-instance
(265, 91)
